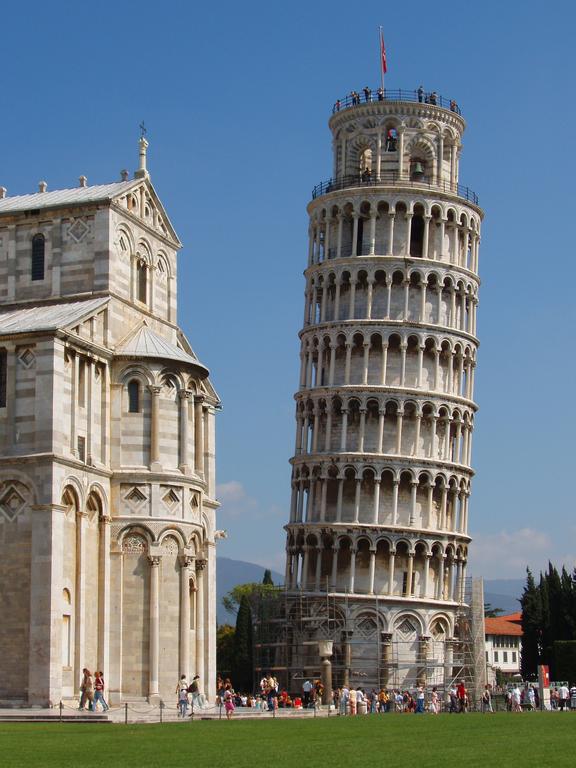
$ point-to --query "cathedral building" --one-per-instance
(107, 478)
(381, 476)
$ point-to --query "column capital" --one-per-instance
(155, 389)
(200, 564)
(199, 399)
(185, 394)
(186, 561)
(154, 560)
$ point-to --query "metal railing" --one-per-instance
(393, 177)
(356, 98)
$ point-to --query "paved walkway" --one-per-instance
(141, 712)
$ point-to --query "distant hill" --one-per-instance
(504, 593)
(229, 573)
(500, 593)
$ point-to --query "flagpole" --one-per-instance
(380, 49)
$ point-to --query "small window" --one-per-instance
(514, 656)
(495, 655)
(82, 449)
(38, 247)
(505, 657)
(3, 372)
(133, 397)
(82, 384)
(141, 280)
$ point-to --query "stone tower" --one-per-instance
(381, 473)
(107, 471)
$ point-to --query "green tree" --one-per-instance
(491, 613)
(254, 592)
(225, 649)
(268, 577)
(531, 628)
(243, 662)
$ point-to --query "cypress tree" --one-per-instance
(243, 666)
(268, 577)
(531, 628)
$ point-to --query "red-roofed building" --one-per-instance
(503, 644)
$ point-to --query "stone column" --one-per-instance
(328, 435)
(409, 574)
(184, 665)
(403, 348)
(440, 159)
(44, 680)
(352, 570)
(372, 571)
(362, 430)
(426, 575)
(376, 507)
(388, 297)
(355, 217)
(409, 217)
(304, 576)
(417, 435)
(352, 302)
(155, 465)
(339, 500)
(424, 650)
(318, 574)
(334, 574)
(333, 348)
(199, 434)
(324, 482)
(426, 239)
(386, 641)
(344, 432)
(381, 417)
(391, 563)
(185, 396)
(339, 238)
(104, 596)
(395, 484)
(80, 588)
(448, 663)
(430, 504)
(413, 499)
(365, 363)
(384, 363)
(399, 418)
(348, 347)
(373, 217)
(391, 215)
(369, 298)
(200, 623)
(420, 366)
(357, 500)
(154, 652)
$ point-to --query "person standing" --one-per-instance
(182, 696)
(306, 689)
(434, 703)
(420, 699)
(198, 699)
(564, 697)
(573, 697)
(86, 690)
(420, 93)
(462, 697)
(229, 705)
(99, 691)
(487, 700)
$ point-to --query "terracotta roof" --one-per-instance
(504, 625)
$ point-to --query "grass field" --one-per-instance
(500, 740)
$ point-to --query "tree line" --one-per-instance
(549, 624)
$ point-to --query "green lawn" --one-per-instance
(500, 740)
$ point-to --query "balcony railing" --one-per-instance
(356, 98)
(393, 177)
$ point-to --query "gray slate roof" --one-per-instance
(146, 343)
(59, 197)
(48, 318)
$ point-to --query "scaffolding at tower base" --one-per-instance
(288, 626)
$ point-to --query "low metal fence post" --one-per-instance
(126, 713)
(61, 707)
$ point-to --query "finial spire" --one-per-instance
(142, 172)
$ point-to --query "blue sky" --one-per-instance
(236, 98)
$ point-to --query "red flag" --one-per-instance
(383, 52)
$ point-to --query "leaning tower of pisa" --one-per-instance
(381, 472)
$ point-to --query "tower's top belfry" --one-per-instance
(397, 136)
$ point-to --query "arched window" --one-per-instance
(38, 247)
(141, 281)
(133, 396)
